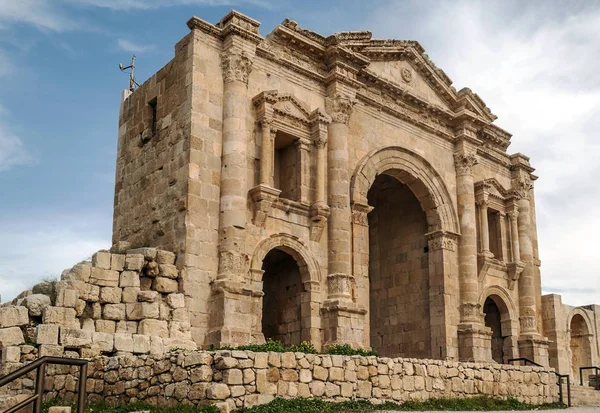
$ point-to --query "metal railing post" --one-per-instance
(569, 390)
(82, 395)
(39, 388)
(560, 390)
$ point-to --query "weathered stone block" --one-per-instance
(139, 311)
(12, 316)
(104, 277)
(141, 344)
(165, 257)
(106, 326)
(176, 300)
(114, 312)
(101, 259)
(130, 294)
(66, 297)
(168, 271)
(47, 334)
(117, 262)
(148, 296)
(130, 327)
(60, 316)
(104, 341)
(217, 391)
(36, 303)
(129, 279)
(165, 285)
(124, 342)
(134, 262)
(75, 338)
(11, 354)
(232, 376)
(51, 350)
(154, 327)
(148, 253)
(110, 295)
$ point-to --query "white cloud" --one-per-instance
(12, 151)
(42, 14)
(157, 4)
(131, 47)
(38, 246)
(536, 68)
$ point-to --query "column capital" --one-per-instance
(464, 162)
(303, 144)
(236, 66)
(483, 202)
(339, 107)
(320, 142)
(265, 122)
(360, 213)
(521, 186)
(437, 240)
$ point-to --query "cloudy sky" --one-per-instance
(536, 64)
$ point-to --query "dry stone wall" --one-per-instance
(119, 302)
(244, 378)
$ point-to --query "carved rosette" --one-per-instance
(464, 163)
(339, 108)
(438, 240)
(340, 286)
(232, 264)
(236, 67)
(471, 312)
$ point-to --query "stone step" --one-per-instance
(8, 401)
(584, 396)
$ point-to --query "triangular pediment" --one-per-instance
(289, 105)
(493, 188)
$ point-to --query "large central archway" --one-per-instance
(421, 208)
(399, 312)
(580, 346)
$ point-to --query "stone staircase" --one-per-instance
(584, 396)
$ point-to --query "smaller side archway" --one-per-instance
(580, 343)
(500, 316)
(289, 276)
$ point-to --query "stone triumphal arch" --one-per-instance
(337, 189)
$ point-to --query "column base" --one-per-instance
(535, 348)
(343, 322)
(474, 342)
(233, 314)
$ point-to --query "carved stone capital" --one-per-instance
(265, 122)
(232, 264)
(464, 162)
(438, 240)
(236, 67)
(360, 213)
(471, 312)
(513, 215)
(521, 187)
(321, 142)
(339, 108)
(340, 286)
(528, 324)
(483, 202)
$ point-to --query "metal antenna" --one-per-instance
(132, 83)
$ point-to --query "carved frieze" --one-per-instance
(340, 286)
(236, 67)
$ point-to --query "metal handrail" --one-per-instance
(526, 360)
(581, 369)
(40, 365)
(560, 378)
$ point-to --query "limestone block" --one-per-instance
(59, 409)
(364, 389)
(110, 295)
(114, 312)
(261, 360)
(106, 326)
(104, 341)
(148, 296)
(51, 350)
(332, 390)
(336, 374)
(124, 342)
(320, 373)
(88, 324)
(130, 294)
(60, 316)
(232, 376)
(180, 330)
(249, 376)
(156, 345)
(317, 388)
(165, 257)
(165, 285)
(80, 272)
(224, 363)
(195, 359)
(148, 253)
(182, 315)
(36, 303)
(104, 277)
(154, 327)
(263, 384)
(75, 338)
(117, 262)
(168, 271)
(96, 311)
(151, 269)
(146, 283)
(101, 259)
(86, 291)
(130, 327)
(141, 344)
(305, 376)
(12, 316)
(66, 297)
(129, 279)
(139, 311)
(179, 343)
(134, 262)
(164, 312)
(288, 360)
(80, 307)
(47, 334)
(217, 391)
(11, 354)
(176, 300)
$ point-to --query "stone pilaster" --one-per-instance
(484, 225)
(266, 153)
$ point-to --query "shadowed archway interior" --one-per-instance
(282, 302)
(493, 320)
(398, 271)
(581, 351)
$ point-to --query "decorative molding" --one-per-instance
(339, 107)
(232, 264)
(439, 240)
(236, 67)
(318, 220)
(360, 213)
(464, 162)
(263, 197)
(514, 273)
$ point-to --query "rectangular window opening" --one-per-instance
(152, 105)
(286, 166)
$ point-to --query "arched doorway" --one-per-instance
(282, 302)
(581, 351)
(493, 320)
(399, 313)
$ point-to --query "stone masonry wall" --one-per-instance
(116, 303)
(243, 378)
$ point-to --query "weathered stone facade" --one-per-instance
(412, 230)
(324, 189)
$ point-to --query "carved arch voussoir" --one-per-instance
(582, 313)
(506, 303)
(309, 267)
(413, 170)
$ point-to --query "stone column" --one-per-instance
(514, 234)
(501, 228)
(474, 339)
(320, 178)
(266, 153)
(484, 225)
(303, 178)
